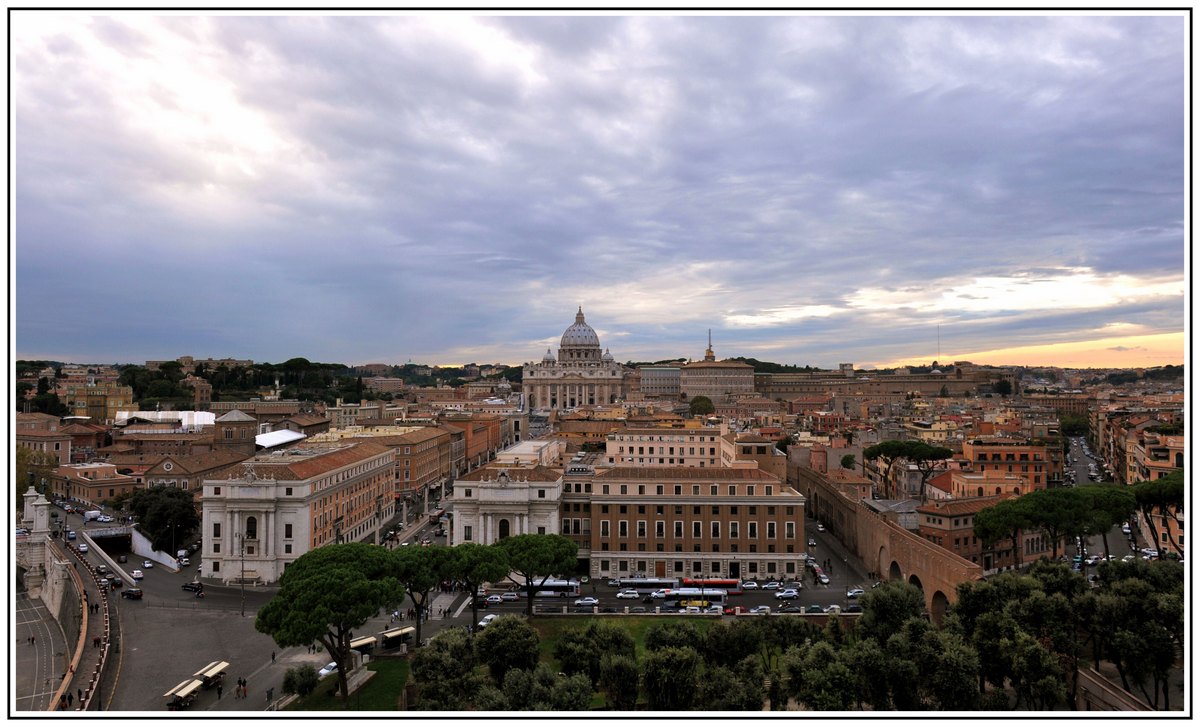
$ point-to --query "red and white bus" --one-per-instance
(731, 586)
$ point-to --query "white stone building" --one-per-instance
(581, 376)
(498, 501)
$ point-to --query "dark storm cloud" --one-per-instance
(437, 186)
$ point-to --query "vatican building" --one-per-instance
(582, 375)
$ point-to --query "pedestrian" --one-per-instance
(80, 692)
(272, 657)
(270, 693)
(33, 640)
(70, 699)
(218, 691)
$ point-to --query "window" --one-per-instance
(695, 528)
(733, 490)
(695, 489)
(716, 529)
(216, 490)
(287, 548)
(753, 526)
(716, 510)
(750, 490)
(287, 530)
(541, 494)
(287, 491)
(624, 489)
(789, 530)
(216, 530)
(466, 532)
(623, 529)
(733, 529)
(678, 489)
(660, 529)
(712, 489)
(252, 528)
(604, 529)
(658, 489)
(216, 547)
(641, 528)
(770, 530)
(679, 528)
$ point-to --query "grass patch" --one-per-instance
(381, 694)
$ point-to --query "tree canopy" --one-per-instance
(701, 406)
(327, 593)
(535, 558)
(166, 515)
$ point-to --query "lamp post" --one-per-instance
(242, 575)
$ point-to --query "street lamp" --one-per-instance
(242, 575)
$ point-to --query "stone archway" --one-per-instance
(503, 528)
(894, 573)
(938, 607)
(881, 562)
(913, 579)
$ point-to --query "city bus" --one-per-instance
(211, 675)
(646, 586)
(732, 586)
(698, 596)
(363, 644)
(182, 695)
(394, 637)
(554, 588)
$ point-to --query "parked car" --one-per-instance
(854, 608)
(628, 594)
(133, 592)
(854, 592)
(792, 608)
(814, 608)
(1093, 559)
(833, 609)
(83, 547)
(587, 601)
(483, 624)
(494, 600)
(510, 596)
(771, 586)
(760, 609)
(638, 609)
(750, 586)
(690, 609)
(328, 669)
(136, 575)
(193, 586)
(787, 593)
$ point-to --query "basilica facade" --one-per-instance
(582, 375)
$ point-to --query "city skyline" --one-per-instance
(448, 189)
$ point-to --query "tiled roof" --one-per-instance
(321, 461)
(190, 464)
(959, 507)
(236, 415)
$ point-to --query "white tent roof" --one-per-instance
(278, 437)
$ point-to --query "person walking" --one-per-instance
(272, 657)
(218, 691)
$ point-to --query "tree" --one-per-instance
(671, 634)
(927, 458)
(1002, 387)
(300, 680)
(580, 651)
(33, 468)
(507, 643)
(327, 593)
(445, 671)
(475, 564)
(739, 689)
(848, 462)
(701, 406)
(1005, 519)
(1110, 505)
(167, 515)
(619, 681)
(670, 678)
(886, 608)
(536, 558)
(541, 689)
(1162, 497)
(890, 451)
(419, 571)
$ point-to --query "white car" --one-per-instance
(136, 575)
(147, 564)
(587, 601)
(627, 594)
(749, 586)
(483, 624)
(328, 669)
(824, 579)
(771, 586)
(788, 593)
(510, 596)
(83, 547)
(494, 600)
(761, 609)
(660, 593)
(833, 609)
(820, 528)
(854, 592)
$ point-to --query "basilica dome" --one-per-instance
(580, 334)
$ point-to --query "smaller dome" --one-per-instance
(936, 371)
(607, 357)
(548, 358)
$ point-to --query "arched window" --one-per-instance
(504, 529)
(252, 528)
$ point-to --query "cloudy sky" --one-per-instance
(449, 189)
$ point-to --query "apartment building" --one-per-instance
(94, 483)
(1027, 458)
(101, 402)
(281, 505)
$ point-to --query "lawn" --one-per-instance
(380, 694)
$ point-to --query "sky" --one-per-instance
(445, 188)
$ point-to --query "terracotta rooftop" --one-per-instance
(699, 474)
(313, 462)
(966, 506)
(537, 473)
